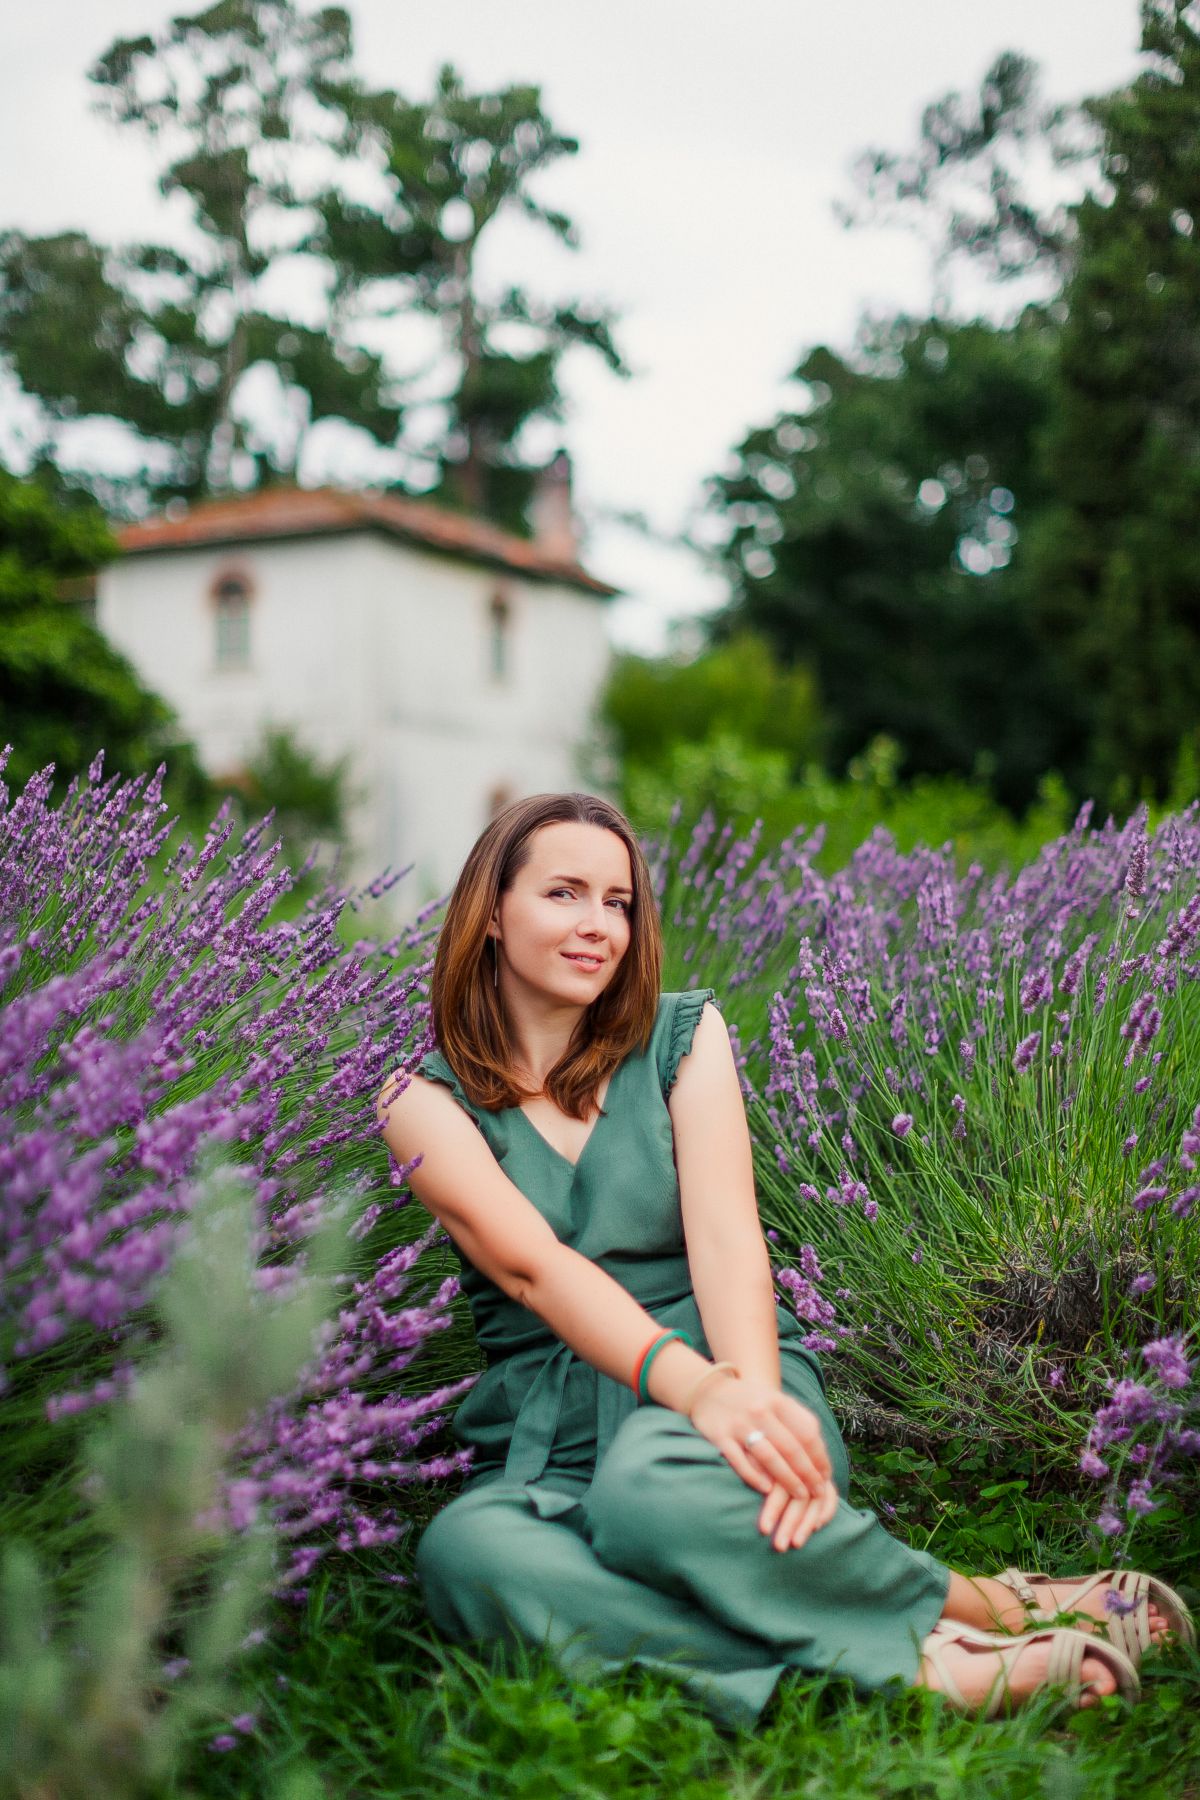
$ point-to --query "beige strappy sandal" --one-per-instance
(1129, 1631)
(1065, 1668)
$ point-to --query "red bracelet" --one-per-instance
(640, 1363)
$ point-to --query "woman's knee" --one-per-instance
(645, 1487)
(458, 1545)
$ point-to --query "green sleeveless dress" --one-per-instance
(609, 1531)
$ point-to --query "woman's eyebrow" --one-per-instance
(579, 881)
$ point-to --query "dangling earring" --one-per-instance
(495, 964)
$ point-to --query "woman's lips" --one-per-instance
(583, 959)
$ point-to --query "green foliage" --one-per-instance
(979, 145)
(1115, 563)
(64, 690)
(87, 1711)
(979, 537)
(736, 688)
(309, 798)
(164, 341)
(870, 533)
(383, 1710)
(453, 164)
(250, 97)
(743, 784)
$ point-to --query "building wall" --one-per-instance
(365, 646)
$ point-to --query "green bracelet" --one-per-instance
(643, 1390)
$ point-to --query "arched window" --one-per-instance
(499, 634)
(231, 598)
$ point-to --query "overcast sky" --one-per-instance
(715, 137)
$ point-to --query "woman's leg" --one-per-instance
(666, 1509)
(491, 1569)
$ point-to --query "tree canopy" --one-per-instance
(264, 130)
(65, 692)
(980, 537)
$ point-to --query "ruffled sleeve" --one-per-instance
(678, 1018)
(434, 1067)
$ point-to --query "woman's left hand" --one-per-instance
(790, 1523)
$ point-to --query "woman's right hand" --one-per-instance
(790, 1452)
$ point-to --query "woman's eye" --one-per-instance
(621, 905)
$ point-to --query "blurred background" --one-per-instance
(792, 412)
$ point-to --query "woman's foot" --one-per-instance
(1084, 1598)
(983, 1673)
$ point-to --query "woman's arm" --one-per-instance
(731, 1273)
(727, 1254)
(503, 1234)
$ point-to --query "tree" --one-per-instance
(164, 341)
(65, 693)
(1116, 560)
(874, 534)
(735, 690)
(965, 185)
(308, 798)
(452, 165)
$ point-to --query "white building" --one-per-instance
(457, 665)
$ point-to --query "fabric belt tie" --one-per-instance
(537, 1417)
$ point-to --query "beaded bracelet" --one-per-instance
(647, 1357)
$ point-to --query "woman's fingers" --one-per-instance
(819, 1514)
(805, 1426)
(790, 1523)
(773, 1508)
(787, 1460)
(752, 1473)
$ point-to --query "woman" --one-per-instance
(656, 1471)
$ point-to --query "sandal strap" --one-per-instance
(934, 1657)
(1018, 1581)
(1064, 1667)
(1129, 1631)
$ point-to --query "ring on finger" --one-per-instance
(755, 1437)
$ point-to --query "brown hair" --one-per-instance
(468, 1018)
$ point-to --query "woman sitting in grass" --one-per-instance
(656, 1473)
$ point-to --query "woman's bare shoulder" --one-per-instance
(410, 1099)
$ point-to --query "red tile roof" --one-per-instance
(317, 512)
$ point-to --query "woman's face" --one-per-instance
(564, 924)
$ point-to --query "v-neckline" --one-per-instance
(553, 1148)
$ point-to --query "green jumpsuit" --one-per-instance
(608, 1531)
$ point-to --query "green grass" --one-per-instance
(356, 1698)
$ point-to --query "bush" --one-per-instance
(974, 1107)
(150, 1011)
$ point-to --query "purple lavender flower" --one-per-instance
(1037, 990)
(902, 1124)
(138, 1035)
(1025, 1052)
(1135, 877)
(1167, 1357)
(1139, 1498)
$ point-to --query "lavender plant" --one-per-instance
(98, 1703)
(152, 1007)
(973, 1100)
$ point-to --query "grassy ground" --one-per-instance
(355, 1697)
